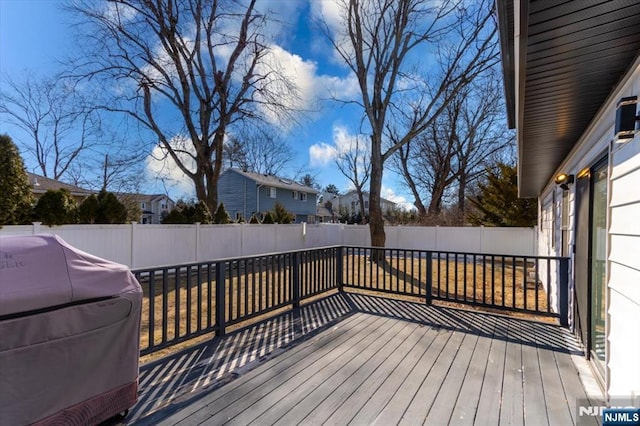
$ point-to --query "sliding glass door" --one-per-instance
(598, 255)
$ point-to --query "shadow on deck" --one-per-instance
(181, 385)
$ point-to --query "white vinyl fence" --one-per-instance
(141, 246)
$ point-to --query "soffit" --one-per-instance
(573, 54)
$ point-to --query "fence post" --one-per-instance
(563, 292)
(339, 266)
(295, 270)
(429, 298)
(220, 298)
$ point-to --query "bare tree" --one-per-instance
(258, 149)
(185, 70)
(384, 42)
(355, 165)
(61, 125)
(456, 148)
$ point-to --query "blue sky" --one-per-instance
(36, 34)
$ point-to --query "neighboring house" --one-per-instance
(246, 193)
(41, 184)
(572, 83)
(324, 214)
(351, 203)
(153, 208)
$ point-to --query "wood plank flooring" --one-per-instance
(379, 361)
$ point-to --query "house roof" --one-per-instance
(274, 181)
(323, 211)
(561, 60)
(143, 198)
(41, 184)
(366, 193)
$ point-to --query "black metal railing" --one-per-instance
(185, 301)
(530, 284)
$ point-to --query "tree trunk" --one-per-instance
(462, 189)
(376, 221)
(363, 219)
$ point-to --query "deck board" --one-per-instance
(387, 362)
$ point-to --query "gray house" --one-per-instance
(245, 193)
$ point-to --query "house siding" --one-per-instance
(624, 268)
(238, 193)
(623, 237)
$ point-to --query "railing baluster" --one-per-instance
(455, 275)
(513, 284)
(429, 279)
(475, 284)
(535, 283)
(220, 296)
(493, 280)
(177, 300)
(165, 302)
(526, 272)
(549, 285)
(152, 308)
(189, 300)
(209, 297)
(502, 283)
(244, 288)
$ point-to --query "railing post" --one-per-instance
(339, 268)
(429, 279)
(563, 292)
(295, 270)
(220, 298)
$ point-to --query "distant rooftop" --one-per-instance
(275, 181)
(41, 184)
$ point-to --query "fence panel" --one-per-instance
(142, 246)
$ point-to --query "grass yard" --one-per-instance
(255, 285)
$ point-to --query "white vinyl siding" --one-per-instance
(624, 270)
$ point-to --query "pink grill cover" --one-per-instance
(40, 271)
(83, 348)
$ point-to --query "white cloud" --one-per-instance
(321, 154)
(310, 87)
(161, 166)
(117, 12)
(390, 195)
(332, 14)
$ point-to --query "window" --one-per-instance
(366, 204)
(163, 206)
(143, 205)
(238, 216)
(311, 219)
(565, 223)
(553, 220)
(271, 192)
(294, 195)
(303, 196)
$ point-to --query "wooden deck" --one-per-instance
(354, 359)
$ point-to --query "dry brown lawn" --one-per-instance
(190, 302)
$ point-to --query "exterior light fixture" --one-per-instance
(626, 118)
(563, 180)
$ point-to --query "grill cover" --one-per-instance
(69, 333)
